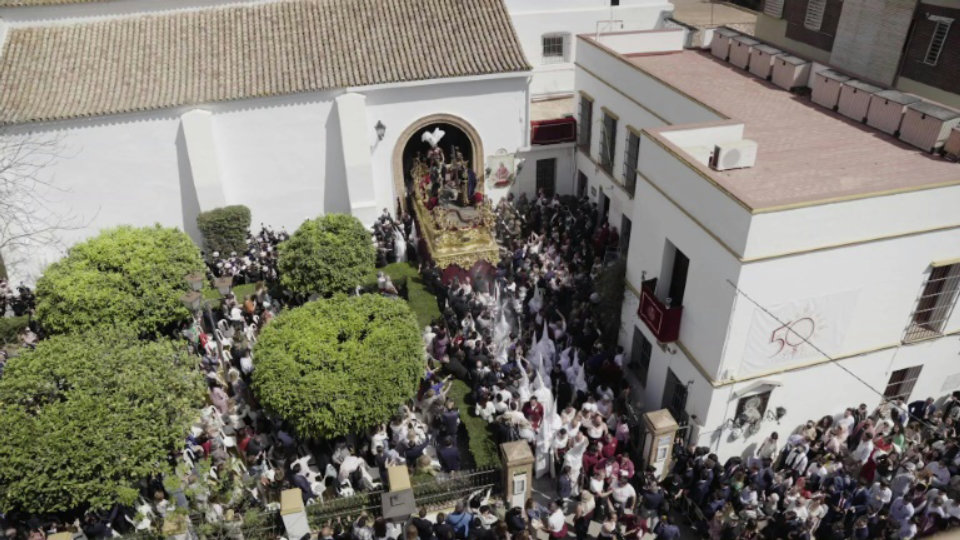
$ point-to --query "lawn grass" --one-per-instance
(481, 443)
(424, 305)
(420, 299)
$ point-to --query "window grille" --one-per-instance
(937, 41)
(901, 383)
(586, 123)
(631, 155)
(935, 303)
(553, 50)
(608, 142)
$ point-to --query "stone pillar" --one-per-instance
(293, 514)
(659, 430)
(517, 472)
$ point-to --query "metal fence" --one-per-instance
(429, 493)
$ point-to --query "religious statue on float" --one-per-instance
(443, 179)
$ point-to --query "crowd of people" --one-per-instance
(19, 301)
(891, 472)
(527, 337)
(257, 263)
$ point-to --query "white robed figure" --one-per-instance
(401, 245)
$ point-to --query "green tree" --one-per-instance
(126, 276)
(84, 417)
(326, 255)
(225, 229)
(340, 365)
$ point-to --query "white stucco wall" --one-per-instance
(566, 177)
(280, 156)
(532, 19)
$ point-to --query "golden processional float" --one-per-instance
(456, 219)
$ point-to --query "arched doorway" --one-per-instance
(458, 132)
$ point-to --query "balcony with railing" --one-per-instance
(660, 317)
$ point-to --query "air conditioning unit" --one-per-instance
(703, 154)
(735, 155)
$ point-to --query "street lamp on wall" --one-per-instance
(381, 130)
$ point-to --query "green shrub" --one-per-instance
(123, 276)
(85, 417)
(10, 328)
(326, 255)
(340, 365)
(225, 229)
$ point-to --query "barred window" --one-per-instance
(935, 304)
(553, 50)
(901, 383)
(937, 40)
(632, 154)
(608, 142)
(586, 123)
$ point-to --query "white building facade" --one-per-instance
(813, 265)
(548, 29)
(162, 111)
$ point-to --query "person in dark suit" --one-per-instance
(450, 419)
(449, 456)
(424, 526)
(443, 530)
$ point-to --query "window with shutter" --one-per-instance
(814, 17)
(631, 155)
(773, 8)
(937, 40)
(586, 123)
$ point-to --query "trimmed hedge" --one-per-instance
(85, 417)
(225, 229)
(327, 255)
(338, 366)
(124, 276)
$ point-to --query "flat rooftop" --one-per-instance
(806, 154)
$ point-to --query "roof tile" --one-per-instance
(148, 62)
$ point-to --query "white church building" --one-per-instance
(161, 109)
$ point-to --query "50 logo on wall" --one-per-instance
(784, 336)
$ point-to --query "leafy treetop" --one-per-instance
(84, 417)
(338, 366)
(326, 255)
(124, 276)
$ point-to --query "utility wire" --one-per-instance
(831, 359)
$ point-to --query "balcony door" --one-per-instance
(673, 275)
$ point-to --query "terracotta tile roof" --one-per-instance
(158, 61)
(29, 3)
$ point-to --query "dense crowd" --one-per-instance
(257, 263)
(528, 338)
